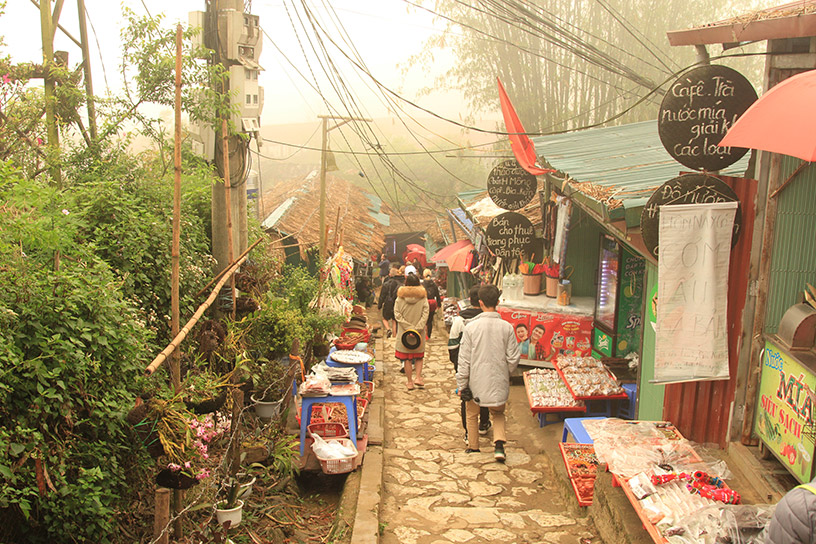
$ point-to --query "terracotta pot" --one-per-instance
(552, 287)
(532, 284)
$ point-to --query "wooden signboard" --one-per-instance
(697, 111)
(511, 235)
(686, 189)
(510, 186)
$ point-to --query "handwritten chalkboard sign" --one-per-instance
(510, 186)
(511, 235)
(697, 111)
(686, 189)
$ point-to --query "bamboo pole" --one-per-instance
(228, 203)
(221, 274)
(185, 330)
(161, 517)
(175, 361)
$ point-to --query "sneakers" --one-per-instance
(483, 428)
(469, 450)
(498, 452)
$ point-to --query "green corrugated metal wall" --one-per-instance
(793, 262)
(582, 252)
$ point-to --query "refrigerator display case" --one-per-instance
(618, 301)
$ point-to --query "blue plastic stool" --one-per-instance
(626, 408)
(350, 402)
(575, 427)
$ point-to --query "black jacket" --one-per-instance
(388, 293)
(433, 292)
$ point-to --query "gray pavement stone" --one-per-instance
(434, 493)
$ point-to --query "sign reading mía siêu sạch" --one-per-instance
(696, 112)
(510, 186)
(784, 416)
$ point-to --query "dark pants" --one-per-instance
(484, 412)
(430, 322)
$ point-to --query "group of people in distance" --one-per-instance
(481, 346)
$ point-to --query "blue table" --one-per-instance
(361, 369)
(575, 427)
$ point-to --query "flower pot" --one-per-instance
(174, 479)
(266, 410)
(246, 481)
(532, 284)
(552, 287)
(233, 515)
(207, 406)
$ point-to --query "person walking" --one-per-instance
(411, 312)
(454, 339)
(388, 296)
(488, 354)
(434, 299)
(385, 267)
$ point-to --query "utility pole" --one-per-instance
(86, 66)
(48, 24)
(323, 160)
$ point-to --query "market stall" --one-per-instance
(547, 394)
(678, 496)
(784, 419)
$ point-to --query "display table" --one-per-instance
(575, 426)
(543, 303)
(547, 394)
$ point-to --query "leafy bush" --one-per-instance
(67, 339)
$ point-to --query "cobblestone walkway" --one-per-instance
(434, 493)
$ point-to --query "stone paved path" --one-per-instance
(434, 493)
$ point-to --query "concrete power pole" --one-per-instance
(235, 36)
(324, 148)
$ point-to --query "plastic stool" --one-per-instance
(626, 408)
(575, 427)
(350, 402)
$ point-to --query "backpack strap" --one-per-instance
(808, 487)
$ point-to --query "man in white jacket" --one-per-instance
(488, 354)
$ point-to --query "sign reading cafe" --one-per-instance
(697, 111)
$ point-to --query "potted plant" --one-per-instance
(230, 509)
(269, 379)
(204, 391)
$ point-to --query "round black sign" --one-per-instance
(511, 235)
(697, 111)
(687, 189)
(510, 186)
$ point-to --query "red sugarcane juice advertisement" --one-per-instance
(572, 336)
(520, 320)
(542, 327)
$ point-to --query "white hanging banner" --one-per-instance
(691, 341)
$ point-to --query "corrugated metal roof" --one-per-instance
(616, 169)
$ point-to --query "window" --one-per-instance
(255, 99)
(248, 73)
(249, 99)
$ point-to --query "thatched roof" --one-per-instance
(293, 208)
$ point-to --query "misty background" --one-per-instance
(425, 73)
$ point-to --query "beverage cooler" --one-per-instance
(618, 301)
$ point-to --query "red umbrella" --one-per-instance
(415, 248)
(443, 253)
(781, 121)
(454, 255)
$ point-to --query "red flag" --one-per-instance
(523, 147)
